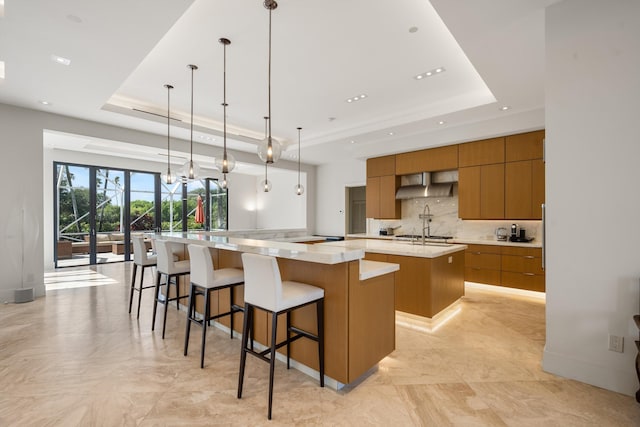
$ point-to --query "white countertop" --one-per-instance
(461, 240)
(318, 253)
(370, 269)
(397, 247)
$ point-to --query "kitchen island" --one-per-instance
(359, 294)
(430, 279)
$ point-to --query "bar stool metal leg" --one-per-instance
(272, 361)
(133, 285)
(190, 311)
(155, 301)
(320, 317)
(204, 325)
(246, 331)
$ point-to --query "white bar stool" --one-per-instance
(171, 268)
(264, 289)
(204, 280)
(143, 259)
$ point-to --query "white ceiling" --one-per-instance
(123, 52)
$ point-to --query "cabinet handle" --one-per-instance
(529, 257)
(528, 274)
(477, 253)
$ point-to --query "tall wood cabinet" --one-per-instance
(382, 184)
(481, 179)
(524, 175)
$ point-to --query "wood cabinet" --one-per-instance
(524, 189)
(524, 146)
(430, 160)
(426, 286)
(481, 192)
(509, 266)
(522, 268)
(381, 189)
(484, 152)
(483, 264)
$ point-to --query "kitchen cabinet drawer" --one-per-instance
(485, 249)
(524, 146)
(480, 260)
(381, 166)
(528, 281)
(433, 159)
(522, 264)
(485, 152)
(482, 275)
(521, 250)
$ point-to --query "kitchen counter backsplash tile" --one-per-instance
(445, 222)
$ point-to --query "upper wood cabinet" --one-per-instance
(433, 159)
(481, 192)
(485, 152)
(381, 166)
(382, 185)
(524, 146)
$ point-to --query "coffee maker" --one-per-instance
(515, 233)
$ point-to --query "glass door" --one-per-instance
(142, 206)
(109, 229)
(73, 215)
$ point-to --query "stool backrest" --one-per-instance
(165, 256)
(139, 250)
(201, 264)
(262, 280)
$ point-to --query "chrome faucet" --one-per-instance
(426, 217)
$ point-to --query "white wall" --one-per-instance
(330, 196)
(592, 171)
(281, 207)
(22, 222)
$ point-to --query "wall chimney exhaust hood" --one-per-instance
(427, 184)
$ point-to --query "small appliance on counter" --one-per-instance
(519, 234)
(388, 231)
(501, 234)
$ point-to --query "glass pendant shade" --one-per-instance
(269, 154)
(169, 177)
(190, 170)
(225, 166)
(224, 183)
(265, 185)
(299, 189)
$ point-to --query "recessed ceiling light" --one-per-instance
(352, 141)
(441, 122)
(390, 133)
(60, 60)
(357, 98)
(505, 108)
(430, 73)
(43, 102)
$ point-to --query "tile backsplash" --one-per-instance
(445, 221)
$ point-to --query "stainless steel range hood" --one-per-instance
(427, 184)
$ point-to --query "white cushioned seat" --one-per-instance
(143, 259)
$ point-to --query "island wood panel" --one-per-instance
(412, 293)
(334, 279)
(371, 321)
(447, 281)
(376, 257)
(484, 152)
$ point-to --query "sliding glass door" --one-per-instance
(97, 210)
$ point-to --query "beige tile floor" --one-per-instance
(77, 358)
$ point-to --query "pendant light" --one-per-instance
(227, 162)
(265, 184)
(169, 177)
(190, 169)
(299, 189)
(269, 150)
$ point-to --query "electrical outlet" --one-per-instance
(616, 343)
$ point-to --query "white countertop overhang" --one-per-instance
(432, 250)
